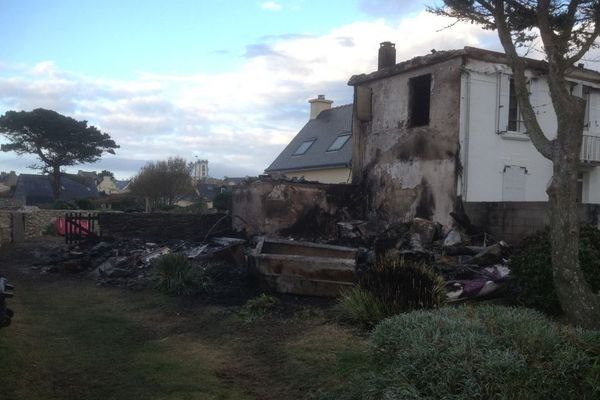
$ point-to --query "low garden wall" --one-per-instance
(163, 226)
(33, 223)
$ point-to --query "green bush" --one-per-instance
(223, 201)
(531, 268)
(486, 352)
(178, 276)
(63, 205)
(392, 286)
(258, 307)
(84, 204)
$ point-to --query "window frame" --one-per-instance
(347, 135)
(310, 141)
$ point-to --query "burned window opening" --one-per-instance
(419, 100)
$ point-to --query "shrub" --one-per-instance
(63, 205)
(223, 201)
(178, 276)
(531, 268)
(392, 286)
(258, 307)
(486, 352)
(84, 204)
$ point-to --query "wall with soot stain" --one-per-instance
(410, 171)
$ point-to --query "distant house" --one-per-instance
(122, 185)
(37, 189)
(107, 185)
(322, 150)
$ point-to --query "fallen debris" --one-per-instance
(129, 263)
(288, 266)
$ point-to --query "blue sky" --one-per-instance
(223, 80)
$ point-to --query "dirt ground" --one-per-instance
(72, 339)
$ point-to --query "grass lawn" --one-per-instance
(72, 340)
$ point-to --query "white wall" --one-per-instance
(486, 154)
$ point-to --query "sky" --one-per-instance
(226, 81)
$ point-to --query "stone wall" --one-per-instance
(11, 203)
(163, 226)
(307, 210)
(513, 221)
(36, 222)
(5, 227)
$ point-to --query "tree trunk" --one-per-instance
(56, 182)
(577, 300)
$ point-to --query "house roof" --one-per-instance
(468, 52)
(328, 125)
(38, 189)
(121, 184)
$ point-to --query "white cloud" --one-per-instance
(271, 5)
(238, 120)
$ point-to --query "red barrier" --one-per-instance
(60, 227)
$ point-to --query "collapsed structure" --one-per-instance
(442, 130)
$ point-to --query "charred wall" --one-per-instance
(163, 226)
(409, 168)
(306, 210)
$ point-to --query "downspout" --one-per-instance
(466, 125)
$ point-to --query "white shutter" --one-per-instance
(593, 112)
(513, 183)
(503, 88)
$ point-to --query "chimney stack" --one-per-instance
(319, 104)
(387, 55)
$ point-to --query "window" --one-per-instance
(303, 148)
(586, 96)
(419, 100)
(513, 183)
(509, 113)
(339, 142)
(579, 198)
(514, 120)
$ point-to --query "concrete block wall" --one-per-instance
(513, 221)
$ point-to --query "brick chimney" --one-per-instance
(387, 55)
(319, 104)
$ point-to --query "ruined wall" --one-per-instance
(307, 210)
(513, 221)
(410, 171)
(163, 226)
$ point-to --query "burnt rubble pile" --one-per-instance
(473, 263)
(130, 262)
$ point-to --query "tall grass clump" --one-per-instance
(391, 287)
(179, 277)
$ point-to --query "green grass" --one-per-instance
(72, 340)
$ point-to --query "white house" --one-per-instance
(435, 129)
